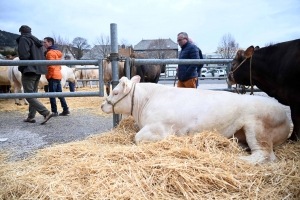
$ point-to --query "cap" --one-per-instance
(25, 29)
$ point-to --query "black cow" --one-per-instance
(276, 71)
(148, 73)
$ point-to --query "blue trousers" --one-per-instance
(55, 86)
(71, 86)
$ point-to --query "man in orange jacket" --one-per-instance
(54, 76)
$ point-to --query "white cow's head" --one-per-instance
(120, 100)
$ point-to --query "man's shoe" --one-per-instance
(64, 113)
(30, 120)
(54, 114)
(47, 117)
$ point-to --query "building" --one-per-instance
(157, 49)
(101, 51)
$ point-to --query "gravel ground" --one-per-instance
(23, 139)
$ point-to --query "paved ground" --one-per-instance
(24, 138)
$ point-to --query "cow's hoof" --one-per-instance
(259, 157)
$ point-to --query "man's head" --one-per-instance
(182, 38)
(67, 57)
(24, 29)
(48, 41)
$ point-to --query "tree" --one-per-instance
(102, 48)
(80, 45)
(63, 44)
(227, 46)
(159, 49)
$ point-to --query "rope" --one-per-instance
(251, 76)
(243, 87)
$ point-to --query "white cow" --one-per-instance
(90, 74)
(4, 75)
(67, 74)
(15, 78)
(161, 110)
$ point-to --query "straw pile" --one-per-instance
(111, 166)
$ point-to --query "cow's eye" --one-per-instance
(115, 93)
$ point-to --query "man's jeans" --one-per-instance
(55, 86)
(30, 83)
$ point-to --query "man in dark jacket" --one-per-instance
(187, 73)
(199, 67)
(31, 48)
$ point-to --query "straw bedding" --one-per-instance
(111, 166)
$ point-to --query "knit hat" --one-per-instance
(25, 29)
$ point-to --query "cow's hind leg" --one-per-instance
(260, 143)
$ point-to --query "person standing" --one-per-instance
(54, 76)
(71, 84)
(199, 67)
(187, 73)
(31, 48)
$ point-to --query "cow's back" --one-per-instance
(196, 106)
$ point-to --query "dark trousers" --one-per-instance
(55, 86)
(30, 84)
(71, 86)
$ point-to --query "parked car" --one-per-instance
(214, 73)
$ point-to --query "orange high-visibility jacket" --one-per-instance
(54, 70)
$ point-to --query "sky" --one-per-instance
(255, 22)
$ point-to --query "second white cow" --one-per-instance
(159, 110)
(67, 75)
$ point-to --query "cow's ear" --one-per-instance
(125, 86)
(136, 79)
(249, 52)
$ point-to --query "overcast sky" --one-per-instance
(255, 22)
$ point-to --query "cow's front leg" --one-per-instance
(295, 114)
(260, 144)
(150, 133)
(107, 88)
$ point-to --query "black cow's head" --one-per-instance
(240, 70)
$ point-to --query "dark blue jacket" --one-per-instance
(186, 71)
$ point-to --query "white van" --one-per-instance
(203, 70)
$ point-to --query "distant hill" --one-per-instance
(8, 39)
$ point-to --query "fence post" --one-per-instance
(127, 68)
(114, 63)
(101, 83)
(228, 71)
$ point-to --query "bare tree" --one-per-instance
(159, 49)
(63, 44)
(80, 45)
(227, 46)
(102, 47)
